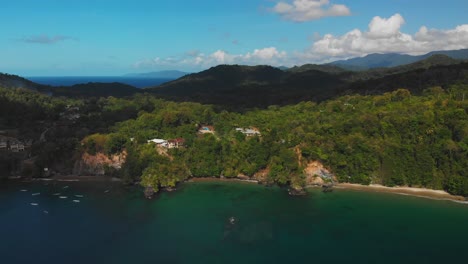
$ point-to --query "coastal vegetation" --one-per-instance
(390, 139)
(395, 138)
(401, 126)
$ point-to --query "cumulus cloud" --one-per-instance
(265, 55)
(270, 56)
(307, 10)
(384, 35)
(45, 39)
(385, 28)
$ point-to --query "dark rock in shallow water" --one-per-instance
(267, 184)
(149, 192)
(170, 189)
(327, 188)
(297, 191)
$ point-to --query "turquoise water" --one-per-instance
(192, 226)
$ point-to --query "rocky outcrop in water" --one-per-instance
(149, 192)
(296, 191)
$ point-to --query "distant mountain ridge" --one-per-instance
(249, 86)
(169, 74)
(329, 68)
(387, 60)
(432, 61)
(240, 87)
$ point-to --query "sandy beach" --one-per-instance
(418, 192)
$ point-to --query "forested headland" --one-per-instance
(394, 138)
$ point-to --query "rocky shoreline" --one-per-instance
(293, 191)
(208, 179)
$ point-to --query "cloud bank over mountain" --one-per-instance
(383, 35)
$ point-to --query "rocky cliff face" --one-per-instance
(262, 175)
(317, 174)
(98, 164)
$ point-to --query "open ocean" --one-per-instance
(192, 225)
(68, 81)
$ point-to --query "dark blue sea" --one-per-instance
(81, 222)
(72, 80)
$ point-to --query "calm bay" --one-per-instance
(218, 222)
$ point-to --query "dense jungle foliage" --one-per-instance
(392, 139)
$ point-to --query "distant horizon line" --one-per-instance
(197, 71)
(75, 76)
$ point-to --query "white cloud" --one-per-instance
(307, 10)
(385, 28)
(221, 57)
(269, 56)
(266, 55)
(384, 35)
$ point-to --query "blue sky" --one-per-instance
(104, 37)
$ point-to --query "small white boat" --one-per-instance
(63, 197)
(106, 191)
(76, 201)
(34, 204)
(45, 212)
(35, 194)
(56, 194)
(24, 190)
(79, 195)
(66, 187)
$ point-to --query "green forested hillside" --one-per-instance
(14, 81)
(416, 79)
(242, 87)
(88, 90)
(235, 87)
(365, 132)
(435, 61)
(393, 139)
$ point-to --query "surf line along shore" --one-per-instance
(411, 191)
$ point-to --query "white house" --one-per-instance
(20, 146)
(159, 142)
(14, 147)
(176, 143)
(248, 131)
(3, 144)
